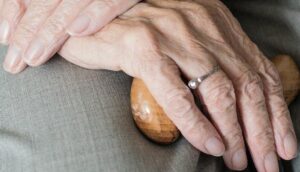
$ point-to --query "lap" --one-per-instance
(60, 117)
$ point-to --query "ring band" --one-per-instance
(194, 83)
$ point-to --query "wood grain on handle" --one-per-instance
(150, 117)
(154, 123)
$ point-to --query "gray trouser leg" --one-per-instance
(62, 118)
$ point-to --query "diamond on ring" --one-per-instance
(194, 83)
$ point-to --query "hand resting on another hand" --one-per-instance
(158, 41)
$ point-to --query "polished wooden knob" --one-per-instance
(289, 75)
(150, 117)
(154, 123)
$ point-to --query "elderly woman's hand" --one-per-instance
(161, 40)
(36, 29)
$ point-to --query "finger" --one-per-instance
(97, 15)
(254, 115)
(249, 92)
(258, 129)
(163, 81)
(36, 13)
(285, 138)
(217, 94)
(11, 13)
(52, 34)
(13, 63)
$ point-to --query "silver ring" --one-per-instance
(194, 83)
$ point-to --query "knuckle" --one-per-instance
(156, 67)
(252, 82)
(179, 102)
(282, 114)
(262, 137)
(222, 97)
(141, 31)
(234, 136)
(110, 3)
(251, 85)
(53, 26)
(100, 5)
(201, 10)
(26, 28)
(171, 16)
(194, 125)
(159, 65)
(24, 32)
(144, 31)
(271, 78)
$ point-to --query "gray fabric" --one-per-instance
(62, 118)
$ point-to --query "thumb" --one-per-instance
(97, 15)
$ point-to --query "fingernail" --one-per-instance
(34, 51)
(12, 59)
(239, 160)
(290, 145)
(214, 146)
(4, 32)
(271, 162)
(79, 25)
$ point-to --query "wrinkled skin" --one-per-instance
(36, 29)
(158, 40)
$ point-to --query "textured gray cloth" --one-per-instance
(62, 118)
